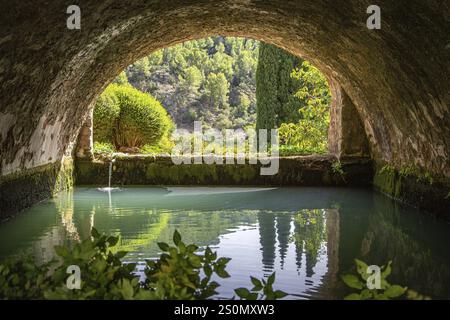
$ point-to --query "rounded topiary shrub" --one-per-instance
(106, 113)
(129, 118)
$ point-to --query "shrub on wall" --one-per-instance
(143, 120)
(129, 118)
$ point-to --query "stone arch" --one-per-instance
(396, 77)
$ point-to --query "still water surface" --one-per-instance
(309, 236)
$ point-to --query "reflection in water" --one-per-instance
(268, 239)
(284, 232)
(309, 236)
(262, 230)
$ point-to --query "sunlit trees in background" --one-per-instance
(294, 96)
(210, 80)
(230, 83)
(310, 133)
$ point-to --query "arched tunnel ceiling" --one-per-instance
(397, 77)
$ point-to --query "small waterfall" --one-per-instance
(110, 172)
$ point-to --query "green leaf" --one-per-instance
(214, 256)
(208, 254)
(130, 267)
(151, 263)
(353, 296)
(223, 261)
(270, 296)
(361, 267)
(191, 248)
(99, 265)
(412, 295)
(242, 293)
(207, 269)
(127, 290)
(366, 294)
(384, 284)
(395, 291)
(271, 279)
(352, 281)
(176, 237)
(256, 282)
(120, 254)
(112, 241)
(381, 297)
(173, 252)
(387, 271)
(52, 295)
(182, 247)
(94, 233)
(222, 273)
(252, 296)
(195, 261)
(214, 285)
(280, 294)
(163, 246)
(61, 251)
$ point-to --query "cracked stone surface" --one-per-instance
(397, 78)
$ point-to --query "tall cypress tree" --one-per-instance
(266, 87)
(275, 87)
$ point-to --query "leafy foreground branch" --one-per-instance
(179, 273)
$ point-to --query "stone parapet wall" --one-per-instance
(293, 171)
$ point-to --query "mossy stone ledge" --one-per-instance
(420, 191)
(293, 171)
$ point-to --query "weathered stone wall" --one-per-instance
(415, 189)
(297, 171)
(23, 189)
(346, 135)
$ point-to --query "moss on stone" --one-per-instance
(145, 170)
(419, 191)
(64, 178)
(385, 180)
(22, 189)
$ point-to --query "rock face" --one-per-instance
(397, 78)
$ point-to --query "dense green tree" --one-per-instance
(266, 92)
(275, 87)
(216, 91)
(192, 78)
